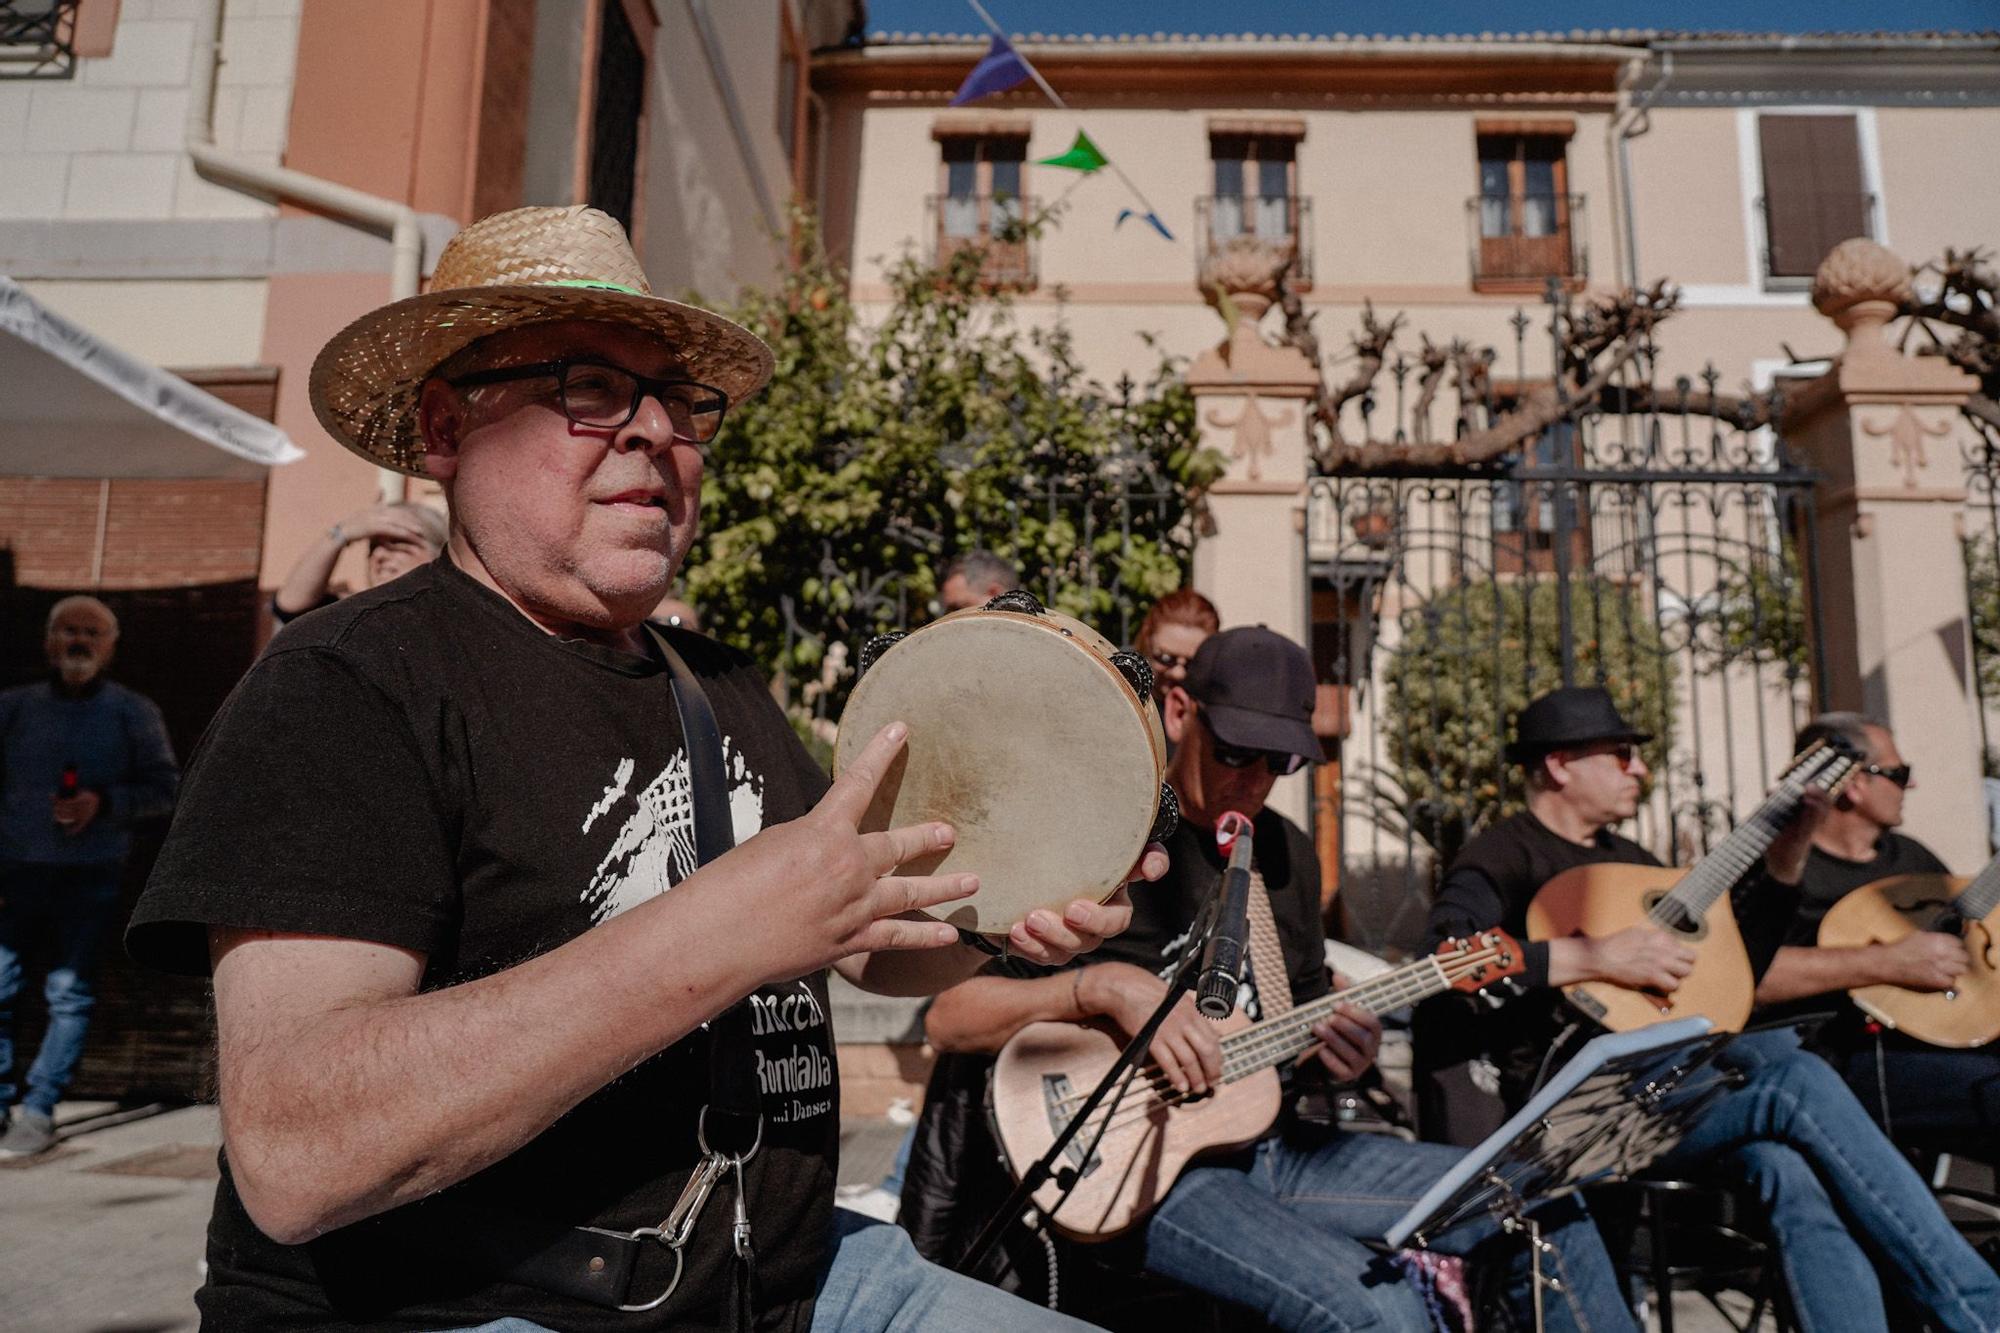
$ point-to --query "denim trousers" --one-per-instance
(876, 1282)
(1843, 1204)
(1280, 1230)
(65, 909)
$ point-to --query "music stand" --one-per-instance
(1621, 1103)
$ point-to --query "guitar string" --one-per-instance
(1407, 987)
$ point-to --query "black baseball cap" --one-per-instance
(1257, 688)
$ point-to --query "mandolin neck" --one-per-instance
(1980, 897)
(1718, 872)
(1277, 1041)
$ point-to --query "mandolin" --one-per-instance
(1889, 909)
(1603, 899)
(1122, 1164)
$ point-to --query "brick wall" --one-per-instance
(157, 534)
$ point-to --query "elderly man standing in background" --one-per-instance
(81, 758)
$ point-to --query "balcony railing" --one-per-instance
(1278, 220)
(997, 225)
(37, 39)
(1836, 217)
(1526, 239)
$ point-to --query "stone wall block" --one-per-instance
(161, 123)
(65, 118)
(14, 116)
(143, 55)
(257, 51)
(35, 184)
(121, 185)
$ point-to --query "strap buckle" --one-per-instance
(677, 1228)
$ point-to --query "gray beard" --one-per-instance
(77, 671)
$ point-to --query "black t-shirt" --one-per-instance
(1492, 881)
(1827, 880)
(421, 766)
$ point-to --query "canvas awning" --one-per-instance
(72, 405)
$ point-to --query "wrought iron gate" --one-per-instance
(1665, 554)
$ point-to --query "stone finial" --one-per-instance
(1241, 275)
(1859, 286)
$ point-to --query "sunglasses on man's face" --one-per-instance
(1281, 762)
(1166, 661)
(1900, 774)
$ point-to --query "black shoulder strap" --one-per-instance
(735, 1102)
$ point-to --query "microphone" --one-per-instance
(1222, 958)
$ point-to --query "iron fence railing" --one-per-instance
(38, 39)
(1000, 226)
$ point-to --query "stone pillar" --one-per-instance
(1252, 400)
(1885, 432)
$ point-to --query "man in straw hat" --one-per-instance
(478, 1065)
(1844, 1206)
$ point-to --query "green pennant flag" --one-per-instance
(1082, 156)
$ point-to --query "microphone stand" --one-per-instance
(1042, 1168)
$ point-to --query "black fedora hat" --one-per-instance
(1573, 715)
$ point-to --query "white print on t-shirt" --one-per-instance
(654, 847)
(793, 1070)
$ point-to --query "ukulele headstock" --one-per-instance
(1472, 964)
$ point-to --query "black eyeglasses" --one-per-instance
(1282, 763)
(1900, 774)
(605, 397)
(1166, 661)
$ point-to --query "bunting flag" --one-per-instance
(1149, 217)
(1083, 155)
(998, 70)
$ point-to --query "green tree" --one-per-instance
(881, 449)
(1463, 671)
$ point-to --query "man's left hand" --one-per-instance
(74, 813)
(1053, 940)
(1785, 859)
(1349, 1040)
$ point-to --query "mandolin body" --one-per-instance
(1888, 910)
(1603, 899)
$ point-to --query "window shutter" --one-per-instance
(1812, 189)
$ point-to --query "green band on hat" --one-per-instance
(601, 286)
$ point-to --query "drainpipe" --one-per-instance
(1632, 119)
(406, 238)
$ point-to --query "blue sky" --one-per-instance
(1435, 16)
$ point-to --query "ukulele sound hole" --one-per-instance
(1675, 919)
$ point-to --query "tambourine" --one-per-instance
(1033, 737)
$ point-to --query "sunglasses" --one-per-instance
(1900, 774)
(1622, 751)
(1167, 661)
(605, 397)
(1282, 763)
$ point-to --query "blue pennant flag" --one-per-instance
(1150, 218)
(998, 70)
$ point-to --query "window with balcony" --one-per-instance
(983, 203)
(1814, 193)
(1256, 194)
(1525, 220)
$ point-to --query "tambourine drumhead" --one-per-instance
(1027, 740)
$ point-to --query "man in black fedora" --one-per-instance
(1843, 1204)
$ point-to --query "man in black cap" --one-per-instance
(1843, 1203)
(1280, 1226)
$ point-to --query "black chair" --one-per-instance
(1702, 1236)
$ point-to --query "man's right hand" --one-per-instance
(1925, 960)
(818, 889)
(1642, 957)
(1186, 1048)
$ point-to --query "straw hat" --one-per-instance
(508, 271)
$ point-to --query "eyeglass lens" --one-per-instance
(606, 396)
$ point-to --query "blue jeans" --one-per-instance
(876, 1282)
(1279, 1230)
(1843, 1203)
(68, 907)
